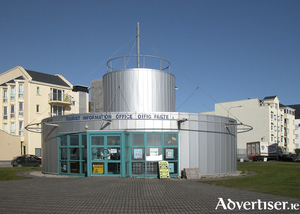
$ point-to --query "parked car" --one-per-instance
(295, 157)
(292, 157)
(26, 160)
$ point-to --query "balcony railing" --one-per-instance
(55, 98)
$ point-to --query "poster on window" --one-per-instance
(153, 151)
(169, 154)
(171, 167)
(138, 154)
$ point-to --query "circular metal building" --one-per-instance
(137, 129)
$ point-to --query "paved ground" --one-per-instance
(57, 194)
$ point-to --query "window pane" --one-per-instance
(5, 113)
(173, 168)
(63, 154)
(170, 139)
(12, 111)
(97, 140)
(12, 128)
(137, 153)
(20, 109)
(137, 139)
(21, 91)
(12, 93)
(98, 153)
(153, 139)
(64, 140)
(171, 154)
(114, 168)
(84, 154)
(138, 168)
(74, 166)
(74, 140)
(83, 139)
(21, 128)
(98, 168)
(74, 153)
(113, 140)
(114, 153)
(64, 167)
(152, 168)
(154, 154)
(5, 96)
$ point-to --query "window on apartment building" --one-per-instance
(275, 128)
(281, 139)
(4, 112)
(278, 128)
(21, 128)
(5, 128)
(281, 128)
(276, 105)
(286, 121)
(272, 137)
(37, 108)
(21, 91)
(12, 128)
(272, 126)
(12, 111)
(21, 106)
(5, 95)
(286, 141)
(37, 90)
(275, 139)
(272, 115)
(57, 110)
(56, 94)
(281, 118)
(12, 93)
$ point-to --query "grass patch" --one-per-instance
(9, 173)
(277, 178)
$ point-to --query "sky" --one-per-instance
(219, 50)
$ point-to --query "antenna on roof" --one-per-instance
(138, 44)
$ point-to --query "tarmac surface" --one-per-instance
(60, 194)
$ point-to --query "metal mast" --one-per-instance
(138, 44)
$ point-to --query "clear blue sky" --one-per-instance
(232, 50)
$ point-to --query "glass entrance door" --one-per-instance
(105, 154)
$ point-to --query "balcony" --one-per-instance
(59, 99)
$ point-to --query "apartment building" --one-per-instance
(272, 122)
(297, 124)
(27, 97)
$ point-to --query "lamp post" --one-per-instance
(233, 107)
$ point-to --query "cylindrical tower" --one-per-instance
(147, 86)
(139, 90)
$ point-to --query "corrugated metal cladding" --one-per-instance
(205, 141)
(139, 90)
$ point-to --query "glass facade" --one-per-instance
(72, 154)
(117, 153)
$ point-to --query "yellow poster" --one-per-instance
(98, 168)
(163, 169)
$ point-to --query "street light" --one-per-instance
(233, 107)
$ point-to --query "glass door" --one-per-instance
(105, 154)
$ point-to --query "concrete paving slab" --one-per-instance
(46, 194)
